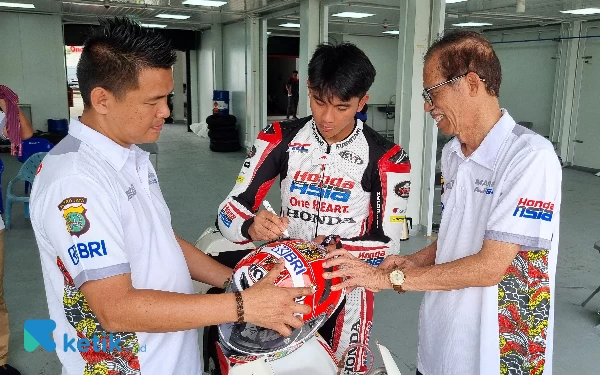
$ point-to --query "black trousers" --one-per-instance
(292, 105)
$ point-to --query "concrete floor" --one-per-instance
(195, 180)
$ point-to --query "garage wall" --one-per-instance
(33, 64)
(528, 74)
(383, 53)
(234, 70)
(205, 75)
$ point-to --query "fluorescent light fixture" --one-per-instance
(472, 24)
(582, 11)
(153, 25)
(392, 32)
(205, 3)
(268, 33)
(17, 5)
(352, 15)
(173, 16)
(296, 25)
(455, 1)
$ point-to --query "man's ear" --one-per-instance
(100, 99)
(474, 82)
(362, 102)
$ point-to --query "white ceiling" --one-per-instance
(501, 13)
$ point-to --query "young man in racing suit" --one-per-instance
(338, 176)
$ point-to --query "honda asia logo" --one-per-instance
(351, 157)
(373, 258)
(334, 188)
(316, 218)
(532, 209)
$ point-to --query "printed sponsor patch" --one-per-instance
(534, 209)
(402, 189)
(87, 250)
(227, 216)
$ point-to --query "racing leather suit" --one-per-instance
(356, 188)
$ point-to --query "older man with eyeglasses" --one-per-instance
(489, 278)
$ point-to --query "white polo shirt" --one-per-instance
(97, 211)
(508, 190)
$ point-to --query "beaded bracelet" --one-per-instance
(240, 307)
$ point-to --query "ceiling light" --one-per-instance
(352, 15)
(153, 25)
(205, 3)
(17, 5)
(290, 25)
(268, 33)
(392, 32)
(472, 24)
(173, 16)
(583, 11)
(455, 1)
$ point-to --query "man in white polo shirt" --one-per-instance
(118, 279)
(490, 276)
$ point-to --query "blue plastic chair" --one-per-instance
(33, 146)
(1, 203)
(27, 174)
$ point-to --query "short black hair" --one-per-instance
(342, 71)
(464, 51)
(295, 72)
(115, 53)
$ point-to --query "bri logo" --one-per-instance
(290, 256)
(532, 209)
(37, 332)
(84, 251)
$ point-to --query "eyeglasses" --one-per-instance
(427, 90)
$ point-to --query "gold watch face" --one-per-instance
(397, 277)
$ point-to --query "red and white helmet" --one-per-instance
(303, 268)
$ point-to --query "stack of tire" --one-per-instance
(223, 134)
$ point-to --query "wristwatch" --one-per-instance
(397, 279)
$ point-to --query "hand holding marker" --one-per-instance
(269, 208)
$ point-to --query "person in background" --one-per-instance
(293, 90)
(14, 126)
